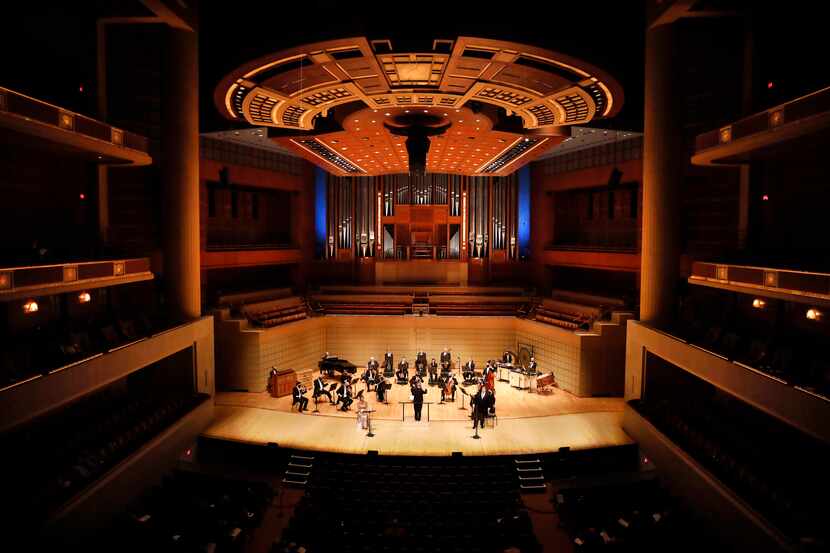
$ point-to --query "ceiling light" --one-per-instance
(30, 307)
(84, 297)
(814, 314)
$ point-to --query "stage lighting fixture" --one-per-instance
(30, 307)
(84, 297)
(814, 314)
(758, 303)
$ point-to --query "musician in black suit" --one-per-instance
(380, 389)
(507, 358)
(433, 372)
(416, 379)
(344, 395)
(388, 364)
(320, 390)
(325, 356)
(370, 377)
(298, 395)
(421, 363)
(448, 386)
(446, 360)
(418, 392)
(469, 370)
(531, 367)
(403, 371)
(481, 402)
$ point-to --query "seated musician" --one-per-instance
(298, 395)
(507, 358)
(403, 372)
(370, 377)
(469, 372)
(388, 364)
(344, 395)
(448, 387)
(446, 360)
(320, 390)
(381, 388)
(531, 367)
(433, 372)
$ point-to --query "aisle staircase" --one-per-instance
(530, 475)
(298, 471)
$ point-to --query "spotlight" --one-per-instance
(758, 303)
(30, 307)
(84, 297)
(814, 314)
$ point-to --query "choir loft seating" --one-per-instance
(364, 304)
(567, 315)
(476, 305)
(238, 300)
(777, 469)
(192, 511)
(63, 452)
(276, 312)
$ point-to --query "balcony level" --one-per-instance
(787, 131)
(27, 120)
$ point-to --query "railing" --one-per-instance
(788, 112)
(43, 112)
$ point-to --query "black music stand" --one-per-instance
(369, 412)
(463, 391)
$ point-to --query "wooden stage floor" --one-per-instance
(527, 423)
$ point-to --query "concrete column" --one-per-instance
(664, 160)
(180, 173)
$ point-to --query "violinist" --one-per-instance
(469, 371)
(344, 395)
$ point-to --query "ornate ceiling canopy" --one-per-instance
(341, 103)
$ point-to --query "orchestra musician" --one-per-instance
(320, 390)
(370, 377)
(416, 378)
(298, 396)
(507, 357)
(433, 372)
(448, 388)
(421, 363)
(482, 402)
(490, 375)
(344, 395)
(469, 372)
(418, 392)
(531, 367)
(403, 371)
(381, 388)
(446, 360)
(388, 365)
(325, 356)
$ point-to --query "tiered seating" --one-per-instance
(567, 315)
(236, 301)
(364, 304)
(276, 312)
(629, 516)
(193, 512)
(59, 345)
(378, 504)
(778, 470)
(796, 359)
(57, 456)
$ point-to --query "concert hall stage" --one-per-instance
(527, 423)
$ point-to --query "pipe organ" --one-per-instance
(431, 216)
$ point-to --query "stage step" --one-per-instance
(302, 457)
(530, 476)
(298, 471)
(294, 483)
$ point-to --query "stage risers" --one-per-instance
(421, 272)
(585, 363)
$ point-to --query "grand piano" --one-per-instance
(335, 364)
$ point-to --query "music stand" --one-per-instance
(463, 391)
(369, 412)
(316, 400)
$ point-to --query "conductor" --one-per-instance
(418, 392)
(482, 402)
